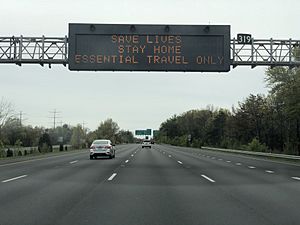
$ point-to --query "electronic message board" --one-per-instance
(123, 47)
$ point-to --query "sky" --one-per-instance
(135, 100)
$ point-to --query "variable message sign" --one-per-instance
(110, 47)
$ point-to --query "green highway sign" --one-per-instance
(139, 132)
(143, 132)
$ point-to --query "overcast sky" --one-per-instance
(135, 100)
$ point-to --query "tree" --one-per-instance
(108, 130)
(6, 114)
(78, 137)
(125, 136)
(285, 87)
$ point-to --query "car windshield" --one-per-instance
(101, 142)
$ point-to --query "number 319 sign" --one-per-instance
(244, 38)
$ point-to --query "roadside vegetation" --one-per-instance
(260, 123)
(19, 140)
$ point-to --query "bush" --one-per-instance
(9, 153)
(256, 146)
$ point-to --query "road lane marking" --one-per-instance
(269, 171)
(228, 161)
(14, 178)
(132, 155)
(179, 162)
(220, 159)
(296, 178)
(251, 167)
(75, 161)
(207, 178)
(127, 161)
(213, 157)
(112, 176)
(238, 164)
(170, 156)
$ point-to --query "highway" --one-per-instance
(164, 185)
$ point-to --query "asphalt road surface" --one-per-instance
(164, 185)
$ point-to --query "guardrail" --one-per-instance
(281, 156)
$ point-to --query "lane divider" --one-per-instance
(238, 164)
(179, 162)
(112, 176)
(269, 171)
(207, 178)
(251, 167)
(14, 178)
(228, 161)
(296, 178)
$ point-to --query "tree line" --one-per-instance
(268, 123)
(14, 134)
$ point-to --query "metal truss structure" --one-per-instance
(265, 53)
(54, 50)
(35, 50)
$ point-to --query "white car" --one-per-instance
(102, 148)
(146, 144)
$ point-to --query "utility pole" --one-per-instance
(20, 118)
(54, 117)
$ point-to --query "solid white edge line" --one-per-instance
(14, 178)
(127, 161)
(112, 176)
(179, 162)
(296, 178)
(207, 178)
(75, 161)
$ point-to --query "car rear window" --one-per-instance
(101, 142)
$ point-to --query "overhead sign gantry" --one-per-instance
(109, 47)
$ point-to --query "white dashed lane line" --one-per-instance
(170, 156)
(296, 178)
(238, 164)
(127, 161)
(179, 162)
(228, 161)
(132, 155)
(207, 178)
(14, 178)
(220, 159)
(75, 161)
(112, 176)
(269, 171)
(251, 167)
